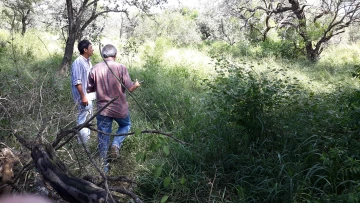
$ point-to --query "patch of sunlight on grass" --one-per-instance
(341, 54)
(312, 79)
(4, 35)
(191, 58)
(333, 69)
(42, 44)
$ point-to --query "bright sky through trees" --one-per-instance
(187, 3)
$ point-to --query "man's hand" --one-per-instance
(137, 84)
(84, 101)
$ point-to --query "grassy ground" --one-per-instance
(260, 128)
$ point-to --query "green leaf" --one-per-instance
(164, 199)
(182, 180)
(144, 157)
(153, 147)
(137, 132)
(166, 150)
(158, 171)
(167, 181)
(140, 157)
(158, 145)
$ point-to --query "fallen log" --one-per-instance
(71, 189)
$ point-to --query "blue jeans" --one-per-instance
(83, 113)
(104, 124)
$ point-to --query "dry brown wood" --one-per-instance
(71, 189)
(8, 160)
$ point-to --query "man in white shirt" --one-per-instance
(79, 78)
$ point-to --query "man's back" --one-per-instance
(107, 86)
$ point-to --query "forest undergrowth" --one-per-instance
(259, 127)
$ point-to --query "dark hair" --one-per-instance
(83, 44)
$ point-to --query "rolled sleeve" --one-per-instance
(76, 82)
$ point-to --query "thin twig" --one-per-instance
(29, 165)
(63, 134)
(120, 178)
(144, 131)
(109, 178)
(22, 140)
(44, 45)
(97, 168)
(212, 184)
(12, 184)
(78, 161)
(126, 192)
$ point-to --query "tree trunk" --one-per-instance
(70, 41)
(69, 49)
(24, 18)
(71, 189)
(23, 23)
(311, 53)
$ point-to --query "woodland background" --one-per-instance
(264, 93)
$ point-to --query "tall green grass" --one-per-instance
(260, 128)
(296, 160)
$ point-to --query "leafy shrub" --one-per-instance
(245, 98)
(283, 49)
(220, 47)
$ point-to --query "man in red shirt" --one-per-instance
(105, 83)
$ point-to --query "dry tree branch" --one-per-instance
(12, 184)
(143, 131)
(109, 178)
(63, 134)
(97, 168)
(28, 166)
(126, 192)
(70, 188)
(211, 182)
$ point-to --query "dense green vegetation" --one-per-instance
(262, 125)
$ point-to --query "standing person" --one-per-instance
(80, 69)
(106, 85)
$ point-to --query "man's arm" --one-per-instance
(84, 100)
(131, 86)
(135, 86)
(77, 82)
